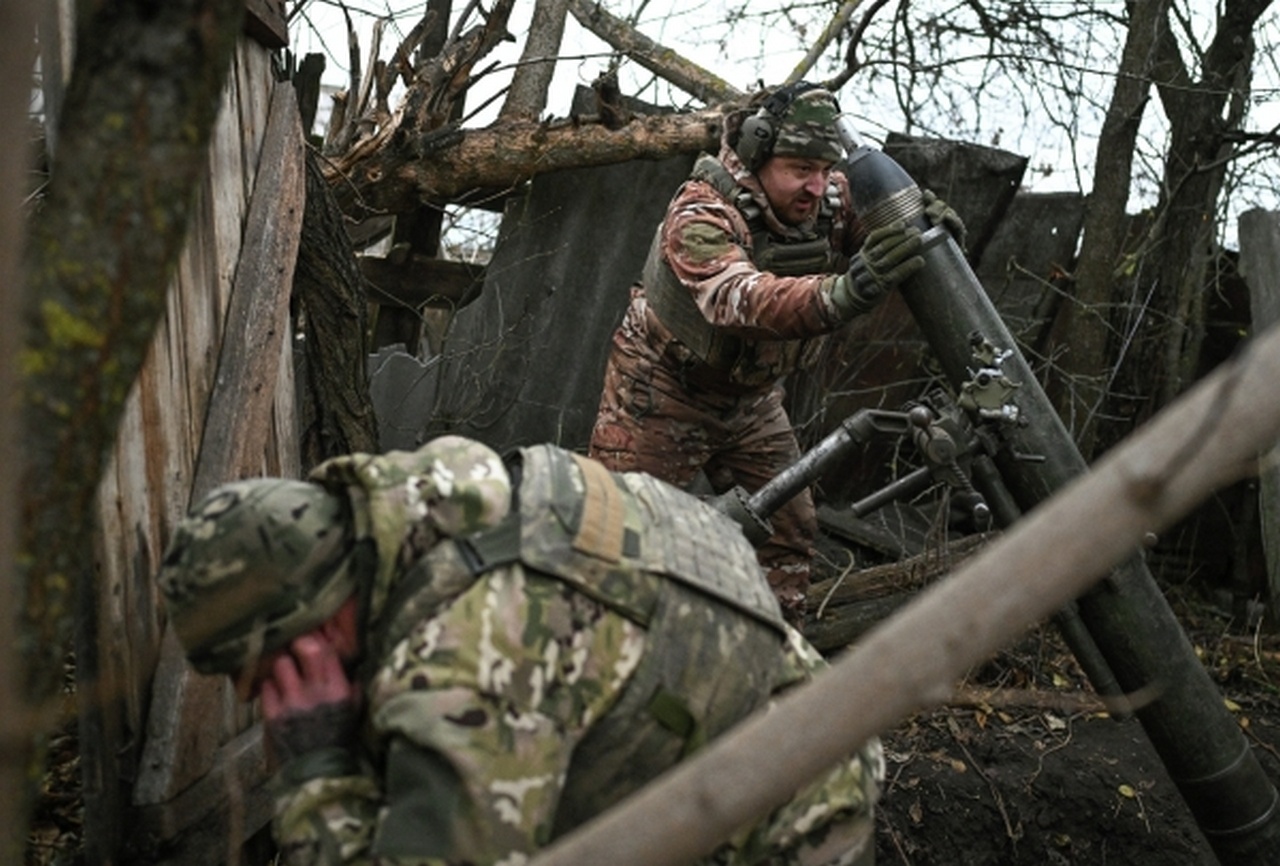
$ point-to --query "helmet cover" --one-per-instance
(807, 127)
(254, 565)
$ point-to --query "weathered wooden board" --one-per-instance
(1260, 263)
(148, 484)
(181, 745)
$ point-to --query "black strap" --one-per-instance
(491, 548)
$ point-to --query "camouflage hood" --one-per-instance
(404, 502)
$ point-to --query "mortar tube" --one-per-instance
(1077, 638)
(1234, 803)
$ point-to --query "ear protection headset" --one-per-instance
(760, 130)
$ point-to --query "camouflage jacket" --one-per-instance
(602, 569)
(710, 243)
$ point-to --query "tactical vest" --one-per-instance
(787, 257)
(654, 555)
(621, 538)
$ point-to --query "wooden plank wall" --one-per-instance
(122, 673)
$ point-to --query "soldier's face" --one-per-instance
(794, 186)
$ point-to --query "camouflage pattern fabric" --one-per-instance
(648, 422)
(808, 128)
(707, 242)
(254, 564)
(475, 710)
(405, 501)
(665, 412)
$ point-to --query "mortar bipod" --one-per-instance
(956, 439)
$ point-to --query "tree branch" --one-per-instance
(336, 416)
(838, 22)
(663, 62)
(495, 159)
(528, 94)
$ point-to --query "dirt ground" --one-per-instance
(1021, 767)
(1024, 767)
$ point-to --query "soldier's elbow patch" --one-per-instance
(701, 243)
(425, 802)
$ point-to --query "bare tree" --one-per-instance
(1087, 321)
(1204, 90)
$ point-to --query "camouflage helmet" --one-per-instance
(796, 120)
(255, 564)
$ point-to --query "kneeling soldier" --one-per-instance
(460, 659)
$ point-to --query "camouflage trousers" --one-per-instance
(651, 422)
(488, 701)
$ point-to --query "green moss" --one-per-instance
(33, 363)
(66, 330)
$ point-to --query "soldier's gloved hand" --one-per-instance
(309, 705)
(889, 255)
(939, 213)
(327, 726)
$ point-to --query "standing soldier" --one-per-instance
(759, 256)
(460, 659)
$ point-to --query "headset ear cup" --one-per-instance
(755, 140)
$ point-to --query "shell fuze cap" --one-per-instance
(806, 126)
(255, 564)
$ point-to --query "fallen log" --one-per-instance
(848, 605)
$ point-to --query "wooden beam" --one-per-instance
(238, 421)
(1260, 264)
(415, 281)
(1205, 440)
(228, 805)
(236, 431)
(265, 22)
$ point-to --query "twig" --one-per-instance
(666, 64)
(1047, 752)
(835, 584)
(1013, 834)
(838, 22)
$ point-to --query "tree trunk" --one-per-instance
(1164, 333)
(17, 24)
(1194, 172)
(143, 97)
(1086, 323)
(418, 155)
(335, 414)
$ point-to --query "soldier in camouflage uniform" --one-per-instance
(461, 658)
(759, 256)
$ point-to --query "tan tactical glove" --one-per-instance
(888, 256)
(939, 213)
